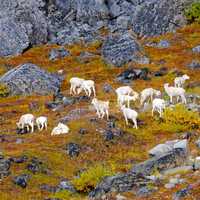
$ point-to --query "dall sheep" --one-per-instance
(125, 99)
(158, 105)
(149, 93)
(41, 123)
(124, 90)
(175, 92)
(26, 120)
(130, 114)
(179, 81)
(75, 83)
(102, 107)
(60, 129)
(88, 86)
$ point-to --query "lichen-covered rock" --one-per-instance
(157, 17)
(4, 167)
(120, 49)
(28, 78)
(58, 53)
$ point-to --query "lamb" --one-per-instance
(60, 129)
(175, 92)
(124, 99)
(101, 107)
(130, 114)
(158, 105)
(149, 93)
(179, 81)
(41, 123)
(75, 83)
(124, 90)
(26, 120)
(88, 86)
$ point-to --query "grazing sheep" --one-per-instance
(41, 123)
(149, 93)
(175, 92)
(60, 129)
(101, 107)
(179, 81)
(158, 105)
(26, 120)
(75, 83)
(130, 114)
(124, 99)
(124, 90)
(88, 86)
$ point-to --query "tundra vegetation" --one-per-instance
(98, 158)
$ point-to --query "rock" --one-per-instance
(19, 141)
(5, 165)
(58, 53)
(28, 78)
(197, 163)
(48, 188)
(196, 49)
(33, 106)
(68, 101)
(132, 74)
(160, 149)
(74, 115)
(36, 166)
(58, 96)
(21, 180)
(85, 57)
(163, 44)
(161, 72)
(195, 64)
(120, 49)
(169, 185)
(181, 193)
(20, 159)
(157, 17)
(22, 24)
(83, 131)
(73, 149)
(66, 185)
(193, 107)
(107, 88)
(144, 191)
(109, 135)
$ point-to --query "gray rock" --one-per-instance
(66, 185)
(161, 72)
(144, 191)
(198, 143)
(21, 180)
(85, 57)
(58, 53)
(28, 78)
(196, 49)
(73, 149)
(157, 17)
(4, 167)
(163, 44)
(160, 149)
(195, 64)
(107, 88)
(120, 48)
(132, 74)
(182, 193)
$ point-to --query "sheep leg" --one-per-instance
(126, 120)
(135, 123)
(128, 103)
(45, 125)
(183, 99)
(152, 112)
(160, 112)
(32, 127)
(93, 88)
(89, 92)
(171, 99)
(107, 114)
(151, 97)
(70, 91)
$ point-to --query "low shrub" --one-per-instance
(193, 12)
(4, 90)
(91, 177)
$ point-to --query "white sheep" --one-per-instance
(149, 93)
(130, 114)
(26, 120)
(175, 92)
(75, 83)
(88, 86)
(125, 99)
(124, 90)
(179, 81)
(41, 123)
(60, 129)
(158, 105)
(102, 107)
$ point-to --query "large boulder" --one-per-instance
(121, 48)
(28, 78)
(22, 24)
(157, 17)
